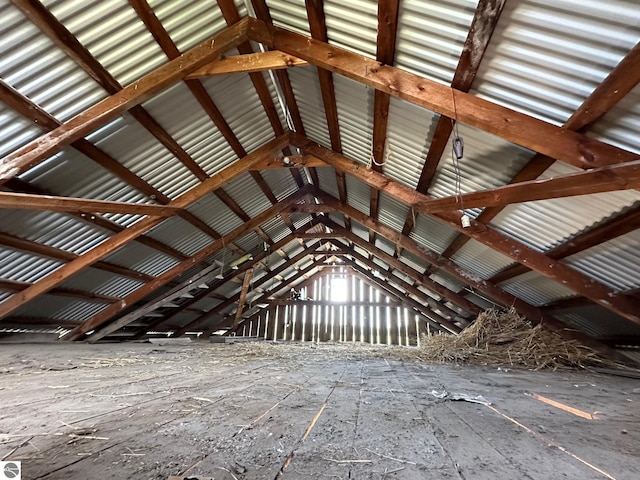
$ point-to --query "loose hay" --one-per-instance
(505, 338)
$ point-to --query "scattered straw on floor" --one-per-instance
(505, 338)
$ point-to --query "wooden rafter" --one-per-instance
(441, 290)
(198, 322)
(482, 27)
(385, 53)
(608, 230)
(97, 220)
(597, 180)
(187, 285)
(15, 286)
(560, 143)
(248, 275)
(621, 304)
(59, 254)
(249, 63)
(620, 81)
(28, 201)
(104, 316)
(106, 110)
(128, 234)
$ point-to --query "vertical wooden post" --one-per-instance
(243, 295)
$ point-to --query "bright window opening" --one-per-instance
(339, 290)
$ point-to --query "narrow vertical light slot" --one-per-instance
(417, 329)
(266, 324)
(304, 323)
(296, 327)
(259, 325)
(354, 320)
(333, 319)
(276, 316)
(372, 317)
(377, 300)
(406, 326)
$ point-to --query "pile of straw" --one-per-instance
(505, 338)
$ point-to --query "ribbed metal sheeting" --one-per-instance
(306, 88)
(355, 118)
(244, 192)
(621, 125)
(480, 260)
(358, 194)
(431, 36)
(53, 81)
(328, 182)
(615, 263)
(449, 281)
(385, 245)
(60, 308)
(276, 229)
(236, 98)
(413, 261)
(102, 283)
(392, 212)
(142, 258)
(432, 233)
(290, 14)
(409, 134)
(180, 114)
(180, 235)
(597, 321)
(114, 35)
(15, 130)
(250, 243)
(190, 23)
(536, 289)
(281, 183)
(546, 57)
(547, 223)
(24, 267)
(216, 214)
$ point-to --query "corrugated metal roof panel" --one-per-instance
(452, 283)
(306, 88)
(102, 283)
(352, 25)
(551, 55)
(431, 36)
(180, 235)
(409, 133)
(615, 263)
(244, 191)
(358, 194)
(59, 308)
(478, 259)
(300, 219)
(215, 214)
(328, 182)
(180, 114)
(290, 14)
(392, 212)
(189, 23)
(489, 161)
(135, 148)
(621, 125)
(250, 242)
(433, 234)
(276, 229)
(547, 223)
(52, 81)
(280, 182)
(142, 258)
(355, 118)
(113, 33)
(15, 130)
(53, 229)
(385, 245)
(597, 321)
(24, 267)
(246, 118)
(536, 289)
(413, 261)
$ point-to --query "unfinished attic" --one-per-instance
(271, 239)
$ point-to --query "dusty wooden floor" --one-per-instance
(139, 411)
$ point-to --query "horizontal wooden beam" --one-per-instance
(134, 94)
(15, 286)
(537, 135)
(330, 303)
(621, 304)
(290, 161)
(118, 240)
(248, 63)
(597, 180)
(26, 201)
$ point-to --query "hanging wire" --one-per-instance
(372, 159)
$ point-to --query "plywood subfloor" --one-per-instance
(139, 411)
